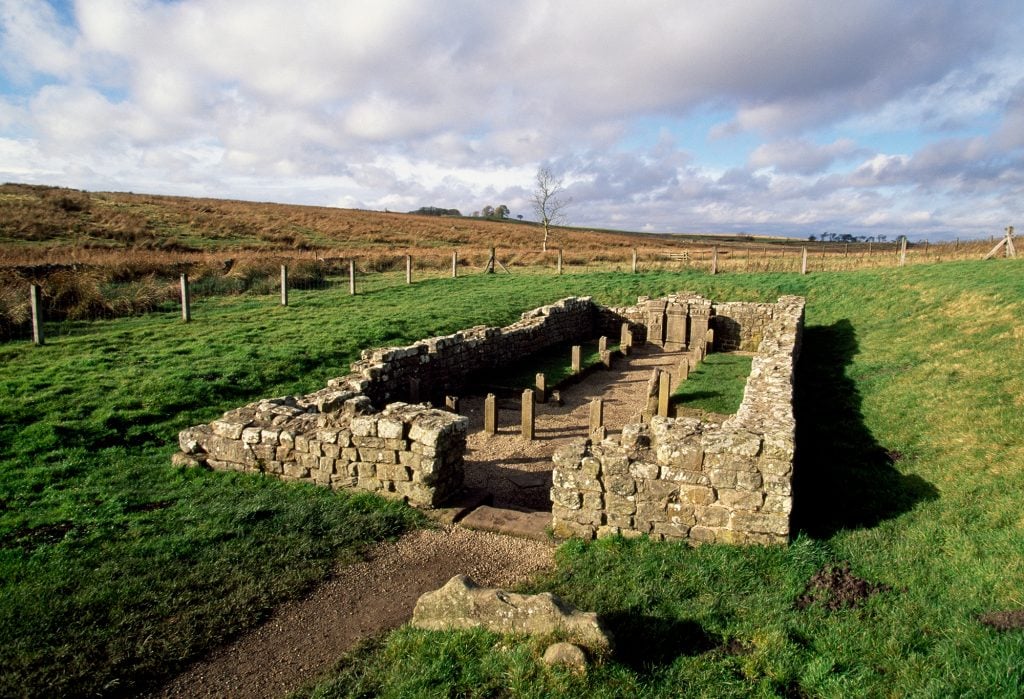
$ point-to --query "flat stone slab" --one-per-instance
(529, 479)
(526, 525)
(459, 506)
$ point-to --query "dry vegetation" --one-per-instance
(106, 254)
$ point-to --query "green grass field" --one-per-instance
(715, 385)
(116, 568)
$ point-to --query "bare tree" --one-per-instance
(548, 202)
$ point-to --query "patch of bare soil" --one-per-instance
(1004, 621)
(835, 587)
(304, 638)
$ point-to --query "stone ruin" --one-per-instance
(670, 478)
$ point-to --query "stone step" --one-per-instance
(459, 506)
(525, 525)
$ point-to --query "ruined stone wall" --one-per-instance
(361, 430)
(433, 367)
(682, 478)
(741, 326)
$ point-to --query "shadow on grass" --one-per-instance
(644, 643)
(842, 477)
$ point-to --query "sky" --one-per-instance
(791, 117)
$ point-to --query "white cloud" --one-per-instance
(403, 102)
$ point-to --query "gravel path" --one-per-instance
(303, 638)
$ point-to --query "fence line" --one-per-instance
(380, 273)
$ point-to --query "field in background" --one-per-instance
(116, 568)
(105, 255)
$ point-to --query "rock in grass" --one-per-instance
(461, 604)
(567, 655)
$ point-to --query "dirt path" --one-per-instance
(304, 637)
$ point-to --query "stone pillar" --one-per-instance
(528, 422)
(684, 369)
(664, 391)
(596, 415)
(490, 414)
(541, 383)
(452, 403)
(602, 343)
(625, 339)
(709, 339)
(656, 322)
(36, 301)
(675, 326)
(577, 359)
(700, 320)
(606, 359)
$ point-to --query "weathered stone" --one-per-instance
(461, 604)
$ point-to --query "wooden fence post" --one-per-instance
(714, 260)
(352, 277)
(490, 262)
(634, 260)
(408, 269)
(284, 285)
(186, 305)
(528, 422)
(455, 264)
(36, 301)
(803, 263)
(903, 251)
(559, 260)
(490, 414)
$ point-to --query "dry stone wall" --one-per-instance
(367, 430)
(682, 478)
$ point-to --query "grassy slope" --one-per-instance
(913, 362)
(910, 467)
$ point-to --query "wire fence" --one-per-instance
(70, 296)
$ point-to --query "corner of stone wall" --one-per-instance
(684, 479)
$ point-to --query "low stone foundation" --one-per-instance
(367, 430)
(681, 478)
(668, 478)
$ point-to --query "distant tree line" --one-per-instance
(827, 237)
(436, 211)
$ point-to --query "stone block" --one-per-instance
(713, 516)
(731, 441)
(778, 485)
(227, 429)
(680, 454)
(702, 535)
(696, 494)
(642, 470)
(364, 426)
(760, 522)
(568, 499)
(722, 478)
(746, 480)
(251, 435)
(670, 531)
(621, 485)
(782, 504)
(620, 506)
(740, 499)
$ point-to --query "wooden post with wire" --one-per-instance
(1006, 243)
